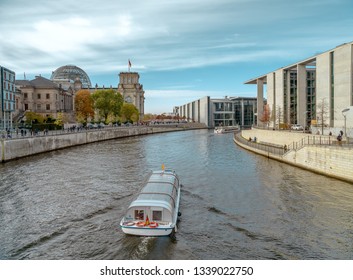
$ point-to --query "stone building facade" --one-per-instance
(132, 91)
(46, 98)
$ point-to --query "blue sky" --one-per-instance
(183, 49)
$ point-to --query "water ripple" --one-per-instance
(235, 204)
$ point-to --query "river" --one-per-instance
(235, 204)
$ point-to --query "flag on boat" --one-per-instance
(147, 221)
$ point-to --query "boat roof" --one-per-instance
(160, 191)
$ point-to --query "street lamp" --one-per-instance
(345, 120)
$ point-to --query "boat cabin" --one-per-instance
(157, 200)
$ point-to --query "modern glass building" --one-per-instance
(228, 111)
(316, 92)
(7, 97)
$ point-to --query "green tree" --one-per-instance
(129, 112)
(107, 102)
(84, 105)
(32, 117)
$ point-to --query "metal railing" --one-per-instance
(305, 141)
(318, 140)
(28, 133)
(268, 148)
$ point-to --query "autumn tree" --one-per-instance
(266, 115)
(148, 117)
(107, 102)
(129, 112)
(84, 105)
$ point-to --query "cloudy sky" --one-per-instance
(183, 49)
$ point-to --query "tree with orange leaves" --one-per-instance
(266, 115)
(84, 105)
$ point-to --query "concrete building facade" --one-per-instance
(7, 97)
(312, 92)
(228, 111)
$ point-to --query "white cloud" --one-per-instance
(159, 35)
(162, 35)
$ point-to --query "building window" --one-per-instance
(139, 214)
(156, 215)
(219, 106)
(25, 96)
(39, 107)
(26, 107)
(48, 96)
(38, 96)
(48, 107)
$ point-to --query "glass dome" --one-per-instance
(71, 72)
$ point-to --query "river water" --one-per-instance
(67, 204)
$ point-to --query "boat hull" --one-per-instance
(146, 231)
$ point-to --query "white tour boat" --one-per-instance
(226, 129)
(219, 130)
(155, 211)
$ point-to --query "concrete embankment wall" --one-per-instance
(17, 148)
(334, 160)
(273, 136)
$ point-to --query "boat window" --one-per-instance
(139, 214)
(156, 215)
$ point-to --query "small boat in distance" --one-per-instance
(155, 211)
(226, 129)
(219, 130)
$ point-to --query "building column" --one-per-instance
(288, 115)
(260, 100)
(301, 93)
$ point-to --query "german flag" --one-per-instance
(147, 221)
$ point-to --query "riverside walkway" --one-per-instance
(320, 154)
